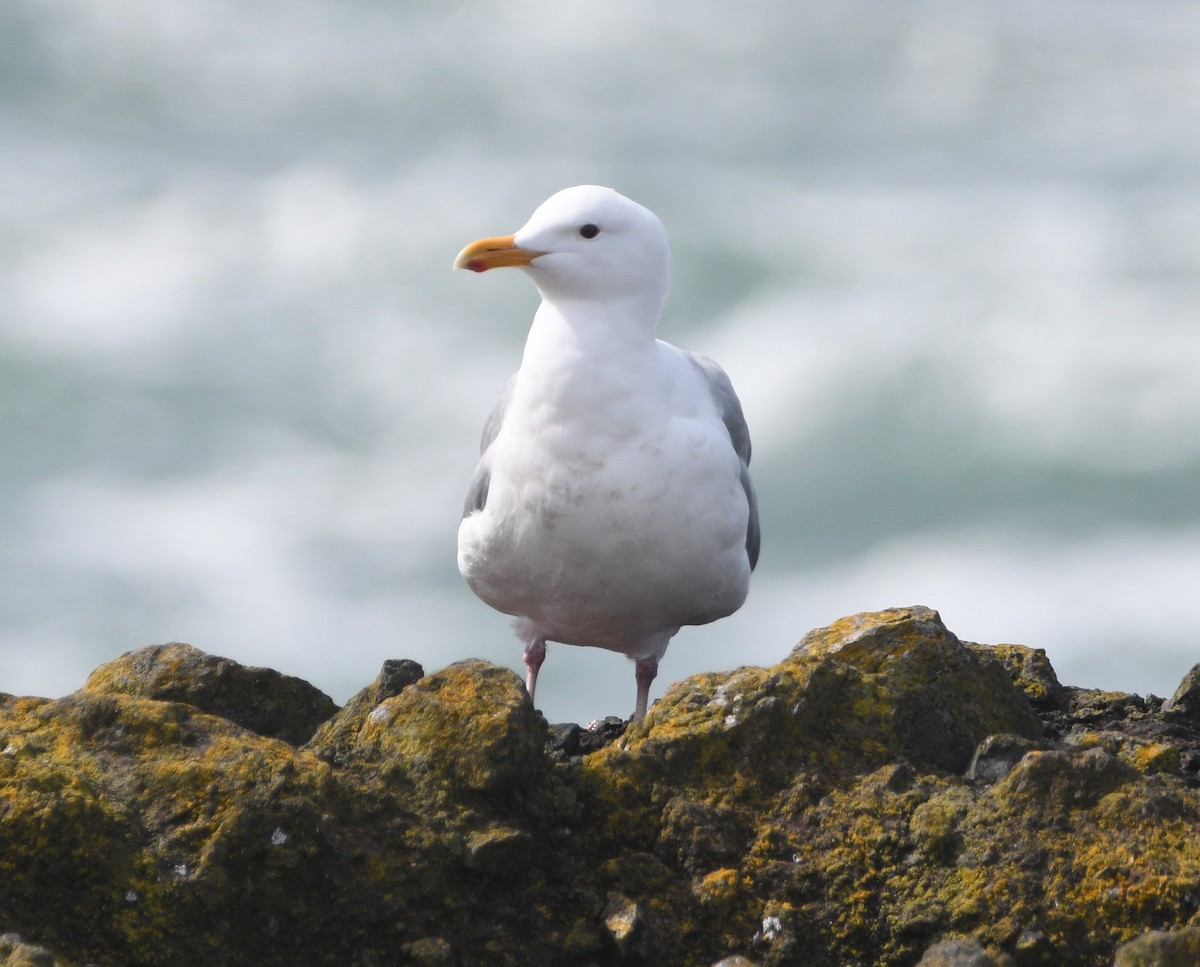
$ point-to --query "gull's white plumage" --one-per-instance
(612, 503)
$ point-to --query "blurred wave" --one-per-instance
(948, 254)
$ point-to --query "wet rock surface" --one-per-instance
(885, 795)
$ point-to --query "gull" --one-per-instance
(612, 504)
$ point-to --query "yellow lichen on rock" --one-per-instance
(469, 729)
(885, 792)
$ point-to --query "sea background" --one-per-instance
(948, 252)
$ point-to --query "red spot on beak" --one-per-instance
(477, 265)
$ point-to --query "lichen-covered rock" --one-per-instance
(1185, 703)
(1031, 671)
(885, 795)
(467, 731)
(997, 754)
(338, 735)
(1162, 948)
(943, 697)
(128, 821)
(259, 699)
(961, 953)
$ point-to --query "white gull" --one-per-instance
(612, 502)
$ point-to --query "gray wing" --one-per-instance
(730, 408)
(477, 489)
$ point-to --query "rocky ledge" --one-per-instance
(886, 795)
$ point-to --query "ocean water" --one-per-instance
(948, 252)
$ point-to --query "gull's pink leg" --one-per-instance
(646, 670)
(535, 654)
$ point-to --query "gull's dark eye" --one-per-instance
(589, 230)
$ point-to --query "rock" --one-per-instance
(600, 733)
(1185, 703)
(468, 730)
(336, 736)
(996, 755)
(15, 953)
(958, 953)
(935, 826)
(497, 849)
(126, 818)
(874, 640)
(259, 699)
(432, 952)
(1097, 708)
(564, 740)
(623, 917)
(1078, 777)
(568, 741)
(701, 836)
(394, 677)
(885, 795)
(1031, 672)
(943, 697)
(1161, 948)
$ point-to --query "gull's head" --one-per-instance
(583, 243)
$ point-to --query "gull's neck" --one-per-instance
(589, 361)
(595, 329)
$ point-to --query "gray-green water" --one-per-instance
(949, 253)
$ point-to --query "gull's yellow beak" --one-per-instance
(494, 253)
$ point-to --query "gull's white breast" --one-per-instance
(615, 510)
